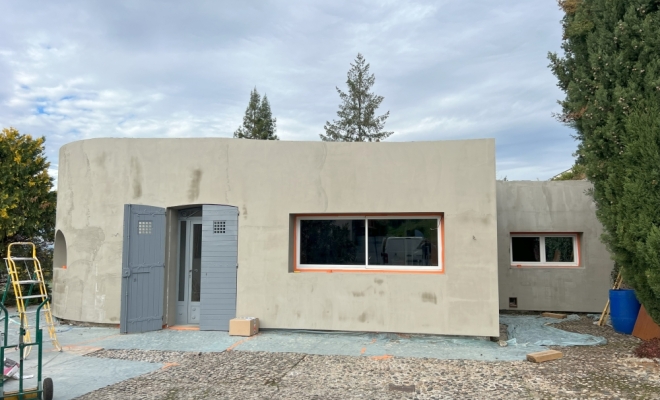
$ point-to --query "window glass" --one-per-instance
(559, 249)
(182, 262)
(332, 242)
(196, 284)
(525, 249)
(403, 242)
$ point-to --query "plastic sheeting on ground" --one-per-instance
(536, 330)
(75, 375)
(383, 345)
(527, 333)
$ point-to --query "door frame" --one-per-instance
(218, 302)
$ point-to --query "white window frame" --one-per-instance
(544, 262)
(366, 267)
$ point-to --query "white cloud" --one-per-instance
(448, 69)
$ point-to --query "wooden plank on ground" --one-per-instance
(543, 356)
(553, 315)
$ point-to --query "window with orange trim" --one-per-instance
(369, 242)
(545, 250)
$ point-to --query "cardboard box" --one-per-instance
(246, 326)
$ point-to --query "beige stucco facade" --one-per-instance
(551, 207)
(269, 182)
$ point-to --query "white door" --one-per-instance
(189, 271)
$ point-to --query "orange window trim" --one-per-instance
(578, 250)
(371, 271)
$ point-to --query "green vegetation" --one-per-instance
(27, 201)
(258, 122)
(357, 112)
(576, 173)
(610, 73)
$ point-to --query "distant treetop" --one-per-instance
(357, 112)
(258, 122)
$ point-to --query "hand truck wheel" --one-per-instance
(48, 389)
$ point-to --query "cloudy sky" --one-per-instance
(448, 69)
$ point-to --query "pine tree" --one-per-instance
(357, 112)
(610, 73)
(258, 122)
(576, 173)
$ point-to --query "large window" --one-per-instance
(369, 242)
(544, 250)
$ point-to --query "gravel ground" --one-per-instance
(607, 371)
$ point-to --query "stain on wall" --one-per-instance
(195, 181)
(136, 174)
(429, 298)
(100, 160)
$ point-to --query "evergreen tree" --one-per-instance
(258, 122)
(357, 112)
(610, 73)
(576, 173)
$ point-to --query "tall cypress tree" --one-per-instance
(258, 122)
(357, 112)
(610, 73)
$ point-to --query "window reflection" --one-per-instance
(195, 293)
(182, 262)
(403, 242)
(525, 249)
(559, 249)
(332, 242)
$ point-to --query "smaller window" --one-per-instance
(219, 227)
(144, 227)
(544, 250)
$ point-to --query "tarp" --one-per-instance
(536, 330)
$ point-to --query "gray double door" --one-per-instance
(205, 268)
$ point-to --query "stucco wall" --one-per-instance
(563, 206)
(268, 182)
